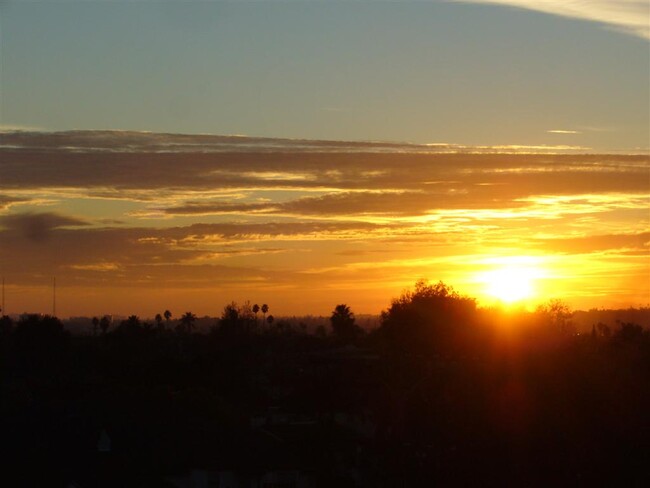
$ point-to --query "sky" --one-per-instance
(372, 144)
(480, 73)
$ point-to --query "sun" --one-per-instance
(509, 285)
(510, 280)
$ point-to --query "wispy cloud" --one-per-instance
(18, 128)
(631, 16)
(563, 131)
(7, 201)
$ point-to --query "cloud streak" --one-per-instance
(562, 131)
(6, 201)
(631, 16)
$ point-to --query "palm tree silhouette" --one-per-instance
(256, 308)
(131, 323)
(265, 308)
(187, 321)
(342, 321)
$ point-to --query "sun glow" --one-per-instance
(511, 279)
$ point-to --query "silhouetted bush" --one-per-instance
(431, 318)
(40, 344)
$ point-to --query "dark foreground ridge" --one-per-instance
(441, 393)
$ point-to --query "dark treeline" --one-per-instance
(442, 392)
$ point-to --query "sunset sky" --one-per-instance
(303, 154)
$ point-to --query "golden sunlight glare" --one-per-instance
(511, 279)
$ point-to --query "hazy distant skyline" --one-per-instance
(475, 73)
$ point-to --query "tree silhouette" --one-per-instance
(343, 326)
(105, 322)
(603, 330)
(631, 332)
(95, 322)
(256, 308)
(133, 321)
(229, 320)
(129, 327)
(265, 309)
(158, 318)
(429, 318)
(168, 315)
(270, 319)
(41, 340)
(246, 316)
(187, 322)
(6, 325)
(237, 319)
(558, 315)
